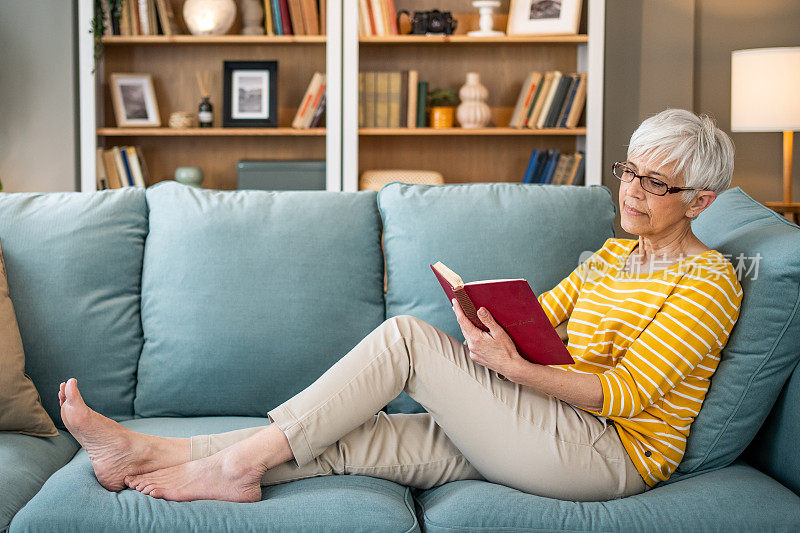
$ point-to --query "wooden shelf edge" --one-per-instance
(209, 132)
(476, 131)
(213, 39)
(466, 39)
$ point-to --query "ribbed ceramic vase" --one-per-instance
(473, 112)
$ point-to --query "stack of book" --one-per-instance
(295, 17)
(377, 17)
(553, 167)
(141, 17)
(391, 99)
(312, 106)
(121, 166)
(155, 17)
(550, 100)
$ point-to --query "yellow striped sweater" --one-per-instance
(654, 341)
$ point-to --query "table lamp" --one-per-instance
(765, 96)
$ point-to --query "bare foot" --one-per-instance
(221, 476)
(116, 451)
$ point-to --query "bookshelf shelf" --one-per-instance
(210, 132)
(213, 39)
(465, 39)
(476, 131)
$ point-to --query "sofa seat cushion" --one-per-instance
(73, 500)
(74, 263)
(483, 231)
(736, 498)
(257, 292)
(25, 464)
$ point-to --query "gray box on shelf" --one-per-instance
(287, 175)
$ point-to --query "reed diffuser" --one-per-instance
(205, 113)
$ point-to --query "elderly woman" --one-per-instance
(646, 320)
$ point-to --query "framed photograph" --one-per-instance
(134, 100)
(250, 94)
(543, 17)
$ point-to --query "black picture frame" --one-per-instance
(259, 108)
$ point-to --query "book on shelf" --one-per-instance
(549, 100)
(553, 167)
(390, 99)
(514, 306)
(377, 17)
(422, 104)
(121, 166)
(156, 17)
(312, 100)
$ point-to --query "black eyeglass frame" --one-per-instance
(669, 190)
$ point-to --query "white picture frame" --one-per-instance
(544, 17)
(134, 100)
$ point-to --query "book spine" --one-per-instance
(143, 164)
(524, 92)
(413, 87)
(268, 28)
(136, 169)
(323, 17)
(558, 101)
(377, 17)
(529, 171)
(311, 17)
(382, 99)
(422, 104)
(578, 104)
(320, 93)
(392, 12)
(393, 98)
(549, 100)
(573, 89)
(541, 96)
(276, 16)
(361, 91)
(318, 113)
(369, 99)
(296, 16)
(285, 19)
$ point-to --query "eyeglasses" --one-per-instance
(649, 183)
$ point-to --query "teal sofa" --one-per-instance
(184, 311)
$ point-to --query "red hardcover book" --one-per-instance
(285, 19)
(514, 306)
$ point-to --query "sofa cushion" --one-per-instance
(774, 449)
(763, 347)
(483, 231)
(249, 296)
(25, 464)
(737, 498)
(21, 408)
(74, 264)
(73, 500)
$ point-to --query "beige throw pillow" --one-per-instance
(21, 408)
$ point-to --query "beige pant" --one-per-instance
(478, 426)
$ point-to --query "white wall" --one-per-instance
(37, 96)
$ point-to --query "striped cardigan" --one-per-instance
(654, 340)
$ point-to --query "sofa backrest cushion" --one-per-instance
(774, 449)
(74, 263)
(483, 231)
(249, 296)
(763, 347)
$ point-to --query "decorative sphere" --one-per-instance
(209, 17)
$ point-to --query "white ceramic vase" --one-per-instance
(209, 17)
(252, 17)
(473, 112)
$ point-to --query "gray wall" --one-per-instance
(677, 53)
(38, 127)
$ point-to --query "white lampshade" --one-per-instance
(765, 89)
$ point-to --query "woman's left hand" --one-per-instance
(493, 349)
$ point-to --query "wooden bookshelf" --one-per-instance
(493, 153)
(172, 61)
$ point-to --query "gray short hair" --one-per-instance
(700, 150)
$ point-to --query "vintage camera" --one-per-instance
(434, 21)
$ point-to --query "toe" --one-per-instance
(156, 493)
(72, 392)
